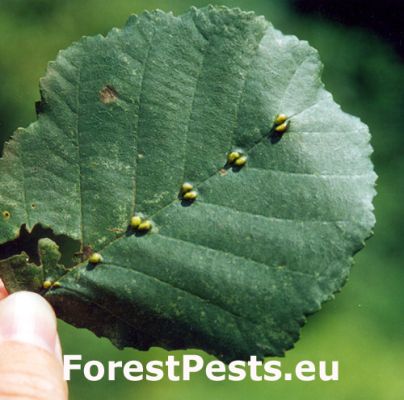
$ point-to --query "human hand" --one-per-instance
(30, 352)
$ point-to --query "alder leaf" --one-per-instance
(124, 120)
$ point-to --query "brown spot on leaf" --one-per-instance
(223, 172)
(6, 214)
(108, 94)
(85, 253)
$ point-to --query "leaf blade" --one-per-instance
(126, 119)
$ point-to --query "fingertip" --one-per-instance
(27, 317)
(30, 349)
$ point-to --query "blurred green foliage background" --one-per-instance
(363, 327)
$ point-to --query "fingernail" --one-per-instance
(28, 318)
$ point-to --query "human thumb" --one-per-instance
(30, 356)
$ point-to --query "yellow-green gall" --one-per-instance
(280, 119)
(57, 285)
(145, 226)
(95, 258)
(190, 196)
(233, 156)
(47, 284)
(240, 162)
(135, 221)
(186, 187)
(282, 127)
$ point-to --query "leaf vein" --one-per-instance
(185, 157)
(311, 175)
(187, 291)
(136, 129)
(227, 253)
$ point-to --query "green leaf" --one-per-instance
(125, 120)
